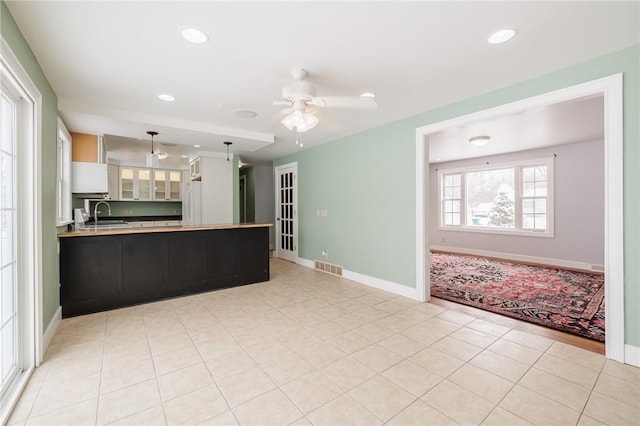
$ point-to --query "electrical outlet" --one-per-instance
(325, 254)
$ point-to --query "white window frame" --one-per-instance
(518, 197)
(63, 179)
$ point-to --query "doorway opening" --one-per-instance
(611, 90)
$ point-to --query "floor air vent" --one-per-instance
(328, 268)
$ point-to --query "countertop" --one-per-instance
(93, 231)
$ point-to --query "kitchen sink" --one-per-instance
(108, 222)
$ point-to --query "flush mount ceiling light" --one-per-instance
(167, 97)
(502, 35)
(479, 140)
(368, 95)
(194, 36)
(197, 146)
(152, 158)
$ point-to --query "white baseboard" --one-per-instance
(50, 331)
(379, 283)
(571, 264)
(632, 355)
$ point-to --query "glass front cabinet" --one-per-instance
(142, 184)
(167, 184)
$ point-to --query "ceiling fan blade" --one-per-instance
(367, 104)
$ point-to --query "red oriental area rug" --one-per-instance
(565, 300)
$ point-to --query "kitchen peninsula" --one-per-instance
(108, 268)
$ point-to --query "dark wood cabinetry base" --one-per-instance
(105, 272)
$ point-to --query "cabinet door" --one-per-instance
(127, 187)
(144, 184)
(175, 185)
(113, 179)
(160, 184)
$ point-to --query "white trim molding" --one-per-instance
(560, 263)
(632, 355)
(611, 88)
(378, 283)
(50, 331)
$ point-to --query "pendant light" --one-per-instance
(152, 159)
(227, 143)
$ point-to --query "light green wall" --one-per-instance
(50, 275)
(367, 183)
(140, 208)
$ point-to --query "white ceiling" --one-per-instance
(108, 61)
(580, 120)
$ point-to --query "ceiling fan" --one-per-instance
(300, 98)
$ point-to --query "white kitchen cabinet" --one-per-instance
(113, 181)
(209, 200)
(135, 184)
(143, 224)
(167, 185)
(168, 222)
(89, 178)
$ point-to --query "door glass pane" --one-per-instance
(160, 177)
(9, 323)
(126, 184)
(144, 184)
(175, 178)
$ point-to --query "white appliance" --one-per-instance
(191, 200)
(209, 200)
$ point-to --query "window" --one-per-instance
(63, 189)
(513, 198)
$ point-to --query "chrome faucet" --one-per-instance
(95, 211)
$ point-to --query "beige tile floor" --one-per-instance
(310, 348)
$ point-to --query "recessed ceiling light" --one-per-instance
(197, 146)
(246, 114)
(167, 97)
(368, 95)
(479, 141)
(194, 36)
(501, 36)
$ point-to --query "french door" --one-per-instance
(10, 345)
(287, 212)
(20, 258)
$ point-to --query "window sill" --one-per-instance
(518, 233)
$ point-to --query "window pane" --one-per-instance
(490, 198)
(541, 221)
(455, 218)
(528, 189)
(527, 206)
(528, 221)
(541, 189)
(541, 173)
(541, 205)
(528, 174)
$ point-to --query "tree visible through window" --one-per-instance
(509, 198)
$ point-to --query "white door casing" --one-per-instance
(611, 88)
(287, 211)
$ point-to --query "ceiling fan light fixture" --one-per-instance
(479, 141)
(301, 120)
